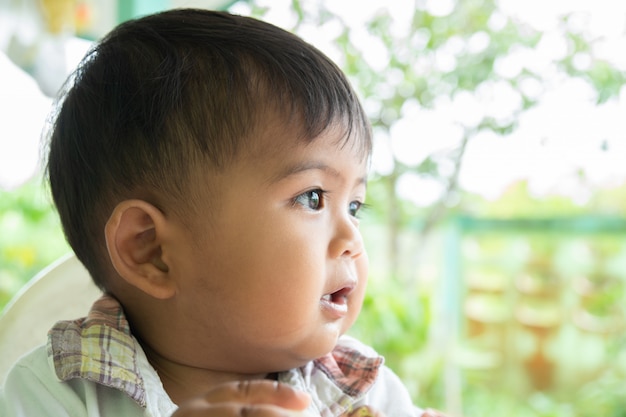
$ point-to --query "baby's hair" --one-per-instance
(164, 95)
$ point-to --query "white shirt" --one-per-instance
(94, 368)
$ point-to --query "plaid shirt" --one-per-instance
(101, 349)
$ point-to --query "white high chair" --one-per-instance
(63, 290)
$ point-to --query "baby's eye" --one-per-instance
(354, 208)
(313, 199)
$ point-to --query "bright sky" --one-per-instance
(22, 113)
(555, 140)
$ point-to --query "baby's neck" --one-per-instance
(183, 383)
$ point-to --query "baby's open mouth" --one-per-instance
(338, 300)
(338, 297)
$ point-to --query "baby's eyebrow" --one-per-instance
(311, 166)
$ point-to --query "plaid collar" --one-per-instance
(98, 348)
(101, 349)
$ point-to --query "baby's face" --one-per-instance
(279, 270)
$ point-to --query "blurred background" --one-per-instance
(496, 230)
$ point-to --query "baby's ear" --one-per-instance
(134, 234)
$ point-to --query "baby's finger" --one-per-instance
(364, 412)
(258, 392)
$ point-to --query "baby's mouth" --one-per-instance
(338, 297)
(337, 300)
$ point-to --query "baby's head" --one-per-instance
(166, 95)
(169, 120)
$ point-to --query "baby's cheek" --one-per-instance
(357, 296)
(362, 268)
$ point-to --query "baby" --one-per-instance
(209, 170)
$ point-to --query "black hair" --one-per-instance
(168, 92)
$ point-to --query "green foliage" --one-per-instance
(395, 318)
(603, 397)
(396, 321)
(31, 236)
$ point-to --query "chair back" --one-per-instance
(63, 290)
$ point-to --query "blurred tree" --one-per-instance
(438, 77)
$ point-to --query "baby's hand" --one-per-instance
(250, 398)
(364, 411)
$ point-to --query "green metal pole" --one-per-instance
(130, 9)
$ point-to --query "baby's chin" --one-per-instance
(311, 351)
(274, 359)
